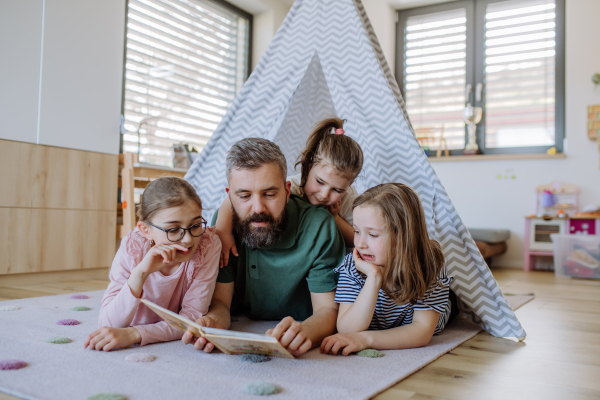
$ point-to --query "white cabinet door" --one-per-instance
(82, 72)
(540, 231)
(20, 55)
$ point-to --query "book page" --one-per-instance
(229, 342)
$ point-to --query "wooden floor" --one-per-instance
(559, 360)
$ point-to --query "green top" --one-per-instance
(276, 281)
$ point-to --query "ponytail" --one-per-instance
(343, 152)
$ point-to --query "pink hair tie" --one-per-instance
(339, 131)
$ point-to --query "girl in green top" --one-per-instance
(329, 165)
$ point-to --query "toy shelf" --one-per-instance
(539, 229)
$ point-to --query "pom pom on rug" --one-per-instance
(371, 353)
(68, 321)
(260, 388)
(107, 396)
(255, 358)
(80, 308)
(140, 357)
(6, 365)
(58, 340)
(9, 308)
(79, 296)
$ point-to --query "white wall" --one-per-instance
(383, 18)
(61, 72)
(20, 56)
(481, 199)
(484, 201)
(267, 18)
(82, 71)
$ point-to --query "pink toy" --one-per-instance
(12, 364)
(557, 196)
(68, 321)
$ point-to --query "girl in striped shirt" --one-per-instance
(393, 289)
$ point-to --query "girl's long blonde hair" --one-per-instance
(342, 151)
(414, 260)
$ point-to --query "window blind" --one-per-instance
(520, 73)
(186, 61)
(434, 76)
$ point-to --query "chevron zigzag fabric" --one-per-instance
(325, 60)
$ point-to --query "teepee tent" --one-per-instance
(325, 60)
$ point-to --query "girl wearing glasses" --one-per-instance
(171, 258)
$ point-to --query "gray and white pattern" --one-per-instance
(332, 41)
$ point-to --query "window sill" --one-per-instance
(494, 157)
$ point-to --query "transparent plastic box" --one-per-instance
(577, 256)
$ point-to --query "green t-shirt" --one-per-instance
(276, 281)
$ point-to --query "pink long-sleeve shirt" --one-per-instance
(187, 292)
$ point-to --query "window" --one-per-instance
(186, 60)
(506, 57)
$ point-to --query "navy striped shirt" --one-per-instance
(389, 314)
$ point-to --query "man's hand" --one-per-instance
(290, 335)
(349, 342)
(199, 342)
(108, 338)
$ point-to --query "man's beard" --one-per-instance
(262, 236)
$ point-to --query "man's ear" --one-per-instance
(145, 229)
(227, 190)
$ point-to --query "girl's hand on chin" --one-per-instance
(367, 268)
(335, 208)
(108, 338)
(159, 256)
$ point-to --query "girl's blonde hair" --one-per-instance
(163, 193)
(414, 261)
(340, 150)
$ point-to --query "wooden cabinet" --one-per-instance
(57, 208)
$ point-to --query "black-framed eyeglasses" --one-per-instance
(176, 234)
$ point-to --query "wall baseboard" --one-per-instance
(54, 276)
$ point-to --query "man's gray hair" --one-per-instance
(253, 153)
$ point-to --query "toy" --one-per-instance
(557, 198)
(556, 213)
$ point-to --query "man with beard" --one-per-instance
(287, 250)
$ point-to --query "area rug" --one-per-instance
(67, 371)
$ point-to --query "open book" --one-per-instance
(229, 342)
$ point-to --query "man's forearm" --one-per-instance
(320, 325)
(219, 313)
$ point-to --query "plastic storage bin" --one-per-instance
(577, 256)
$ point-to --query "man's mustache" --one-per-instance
(260, 218)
